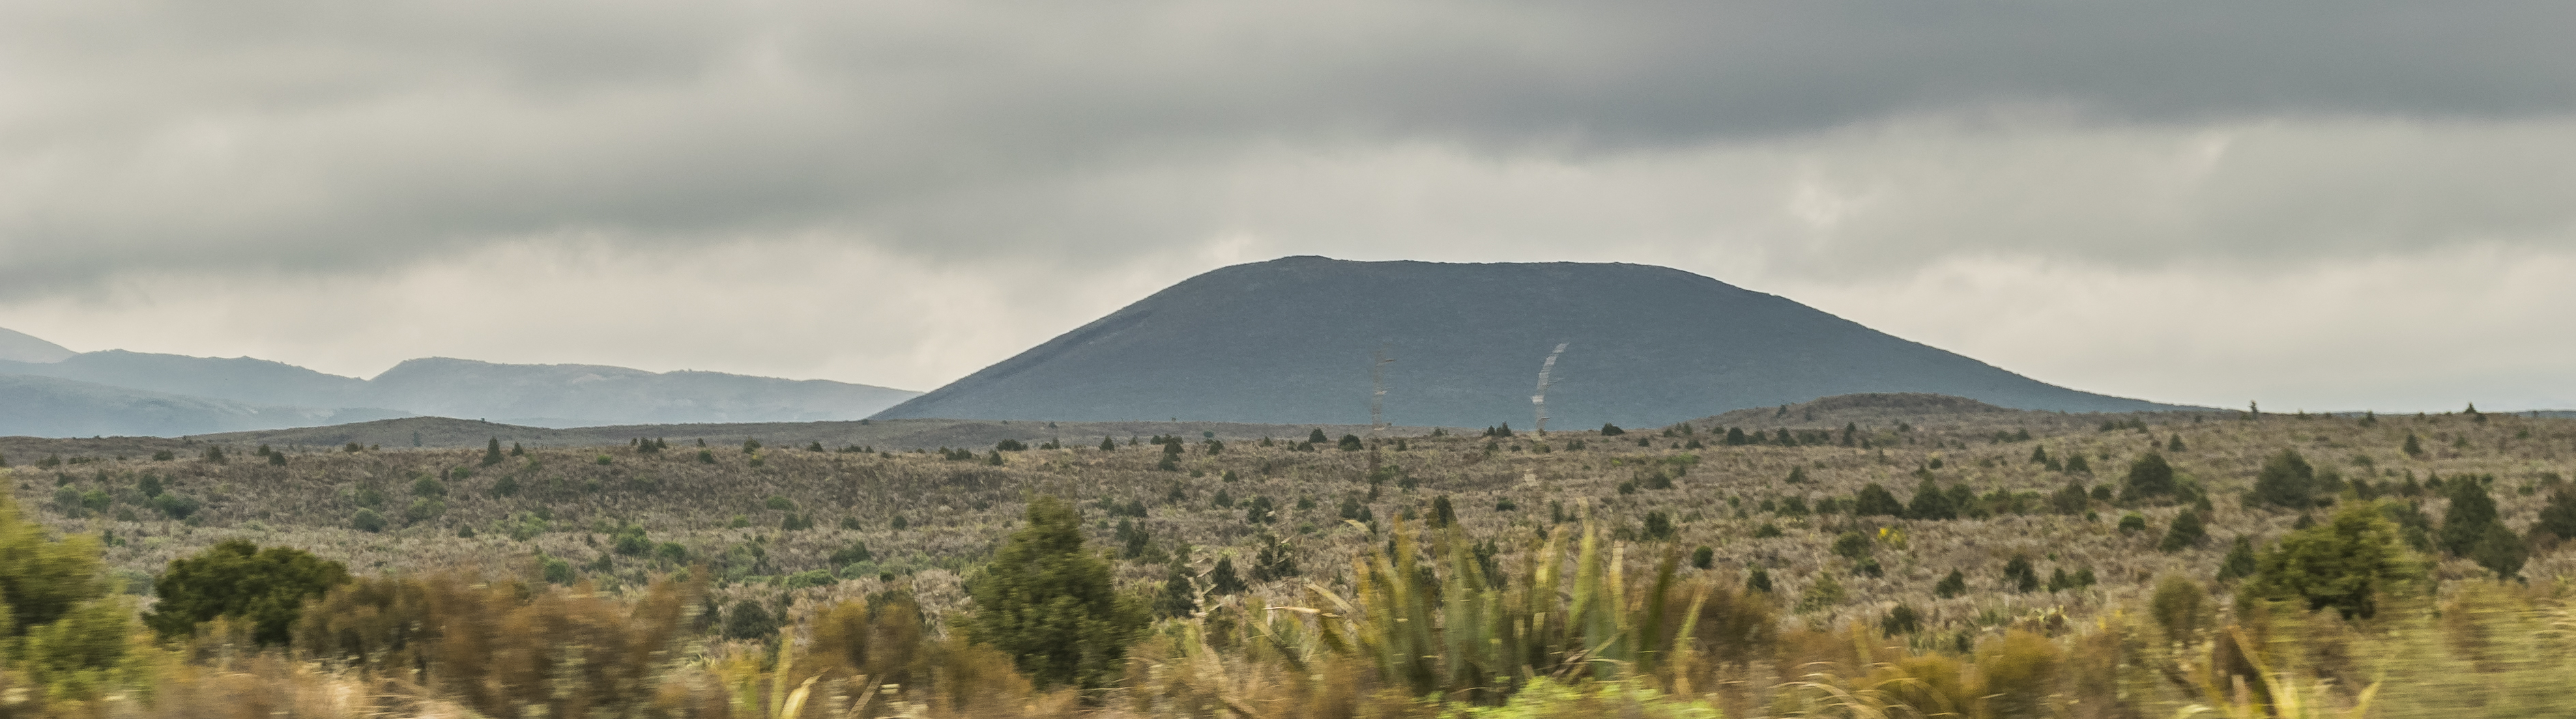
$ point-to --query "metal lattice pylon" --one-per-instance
(1377, 391)
(1539, 401)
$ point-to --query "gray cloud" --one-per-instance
(230, 165)
(298, 134)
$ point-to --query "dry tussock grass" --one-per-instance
(955, 511)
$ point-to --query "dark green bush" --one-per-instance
(235, 578)
(2345, 563)
(2286, 481)
(2149, 478)
(1052, 605)
(2185, 533)
(1876, 501)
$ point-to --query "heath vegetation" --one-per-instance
(1861, 556)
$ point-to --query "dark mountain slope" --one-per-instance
(1288, 341)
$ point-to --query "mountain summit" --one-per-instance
(1291, 340)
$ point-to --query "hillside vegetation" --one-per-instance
(1841, 557)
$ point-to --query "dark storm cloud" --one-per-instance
(334, 137)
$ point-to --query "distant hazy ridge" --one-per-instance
(119, 392)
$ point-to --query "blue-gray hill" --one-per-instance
(1289, 341)
(168, 395)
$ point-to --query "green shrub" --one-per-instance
(1876, 501)
(2240, 561)
(1823, 594)
(852, 554)
(1900, 621)
(67, 500)
(235, 578)
(40, 578)
(2149, 478)
(423, 509)
(2185, 533)
(2133, 522)
(2558, 517)
(810, 578)
(749, 621)
(367, 520)
(2020, 575)
(2286, 481)
(554, 570)
(1179, 597)
(1052, 605)
(2465, 522)
(2180, 606)
(1274, 561)
(1223, 580)
(1851, 545)
(1659, 526)
(629, 540)
(84, 653)
(175, 505)
(1930, 502)
(2345, 563)
(2500, 551)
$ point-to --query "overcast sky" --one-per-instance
(2321, 205)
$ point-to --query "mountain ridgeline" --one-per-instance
(134, 393)
(1291, 341)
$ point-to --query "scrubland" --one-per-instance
(1655, 571)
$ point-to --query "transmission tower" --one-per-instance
(1540, 400)
(1377, 392)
